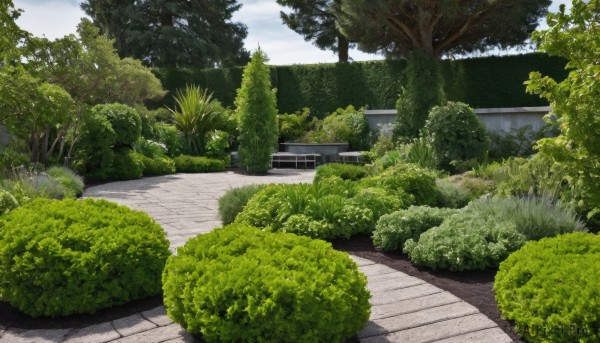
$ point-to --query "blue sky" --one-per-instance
(56, 18)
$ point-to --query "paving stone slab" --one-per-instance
(31, 336)
(157, 316)
(419, 318)
(412, 305)
(99, 333)
(361, 261)
(186, 339)
(376, 269)
(495, 335)
(436, 331)
(394, 295)
(157, 335)
(131, 325)
(398, 282)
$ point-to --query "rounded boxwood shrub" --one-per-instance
(125, 121)
(234, 201)
(241, 284)
(66, 257)
(456, 134)
(394, 229)
(194, 164)
(550, 289)
(465, 241)
(343, 171)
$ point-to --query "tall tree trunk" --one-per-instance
(343, 46)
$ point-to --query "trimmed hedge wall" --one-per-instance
(479, 82)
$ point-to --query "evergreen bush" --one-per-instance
(549, 289)
(195, 164)
(67, 257)
(456, 134)
(241, 284)
(234, 201)
(256, 106)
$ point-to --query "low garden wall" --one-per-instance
(497, 120)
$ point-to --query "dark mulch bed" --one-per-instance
(11, 317)
(474, 287)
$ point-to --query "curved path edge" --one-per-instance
(404, 308)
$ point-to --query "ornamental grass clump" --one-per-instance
(234, 201)
(59, 258)
(241, 284)
(549, 288)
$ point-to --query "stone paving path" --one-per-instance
(404, 309)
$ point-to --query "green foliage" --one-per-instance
(330, 209)
(196, 114)
(170, 138)
(68, 179)
(345, 125)
(124, 120)
(234, 201)
(531, 177)
(11, 34)
(575, 102)
(397, 28)
(240, 284)
(256, 107)
(12, 158)
(7, 202)
(149, 148)
(456, 134)
(194, 164)
(534, 217)
(412, 179)
(94, 155)
(127, 165)
(495, 81)
(344, 171)
(157, 165)
(465, 241)
(67, 257)
(424, 91)
(295, 125)
(452, 194)
(217, 145)
(394, 229)
(547, 288)
(155, 33)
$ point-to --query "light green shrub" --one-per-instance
(7, 202)
(194, 164)
(410, 178)
(234, 201)
(241, 284)
(343, 171)
(452, 194)
(550, 289)
(534, 217)
(170, 138)
(157, 165)
(465, 241)
(66, 257)
(69, 180)
(394, 229)
(345, 125)
(124, 120)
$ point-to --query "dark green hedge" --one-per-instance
(479, 82)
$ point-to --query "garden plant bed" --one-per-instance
(474, 287)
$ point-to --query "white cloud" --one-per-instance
(53, 19)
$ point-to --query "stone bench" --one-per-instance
(295, 159)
